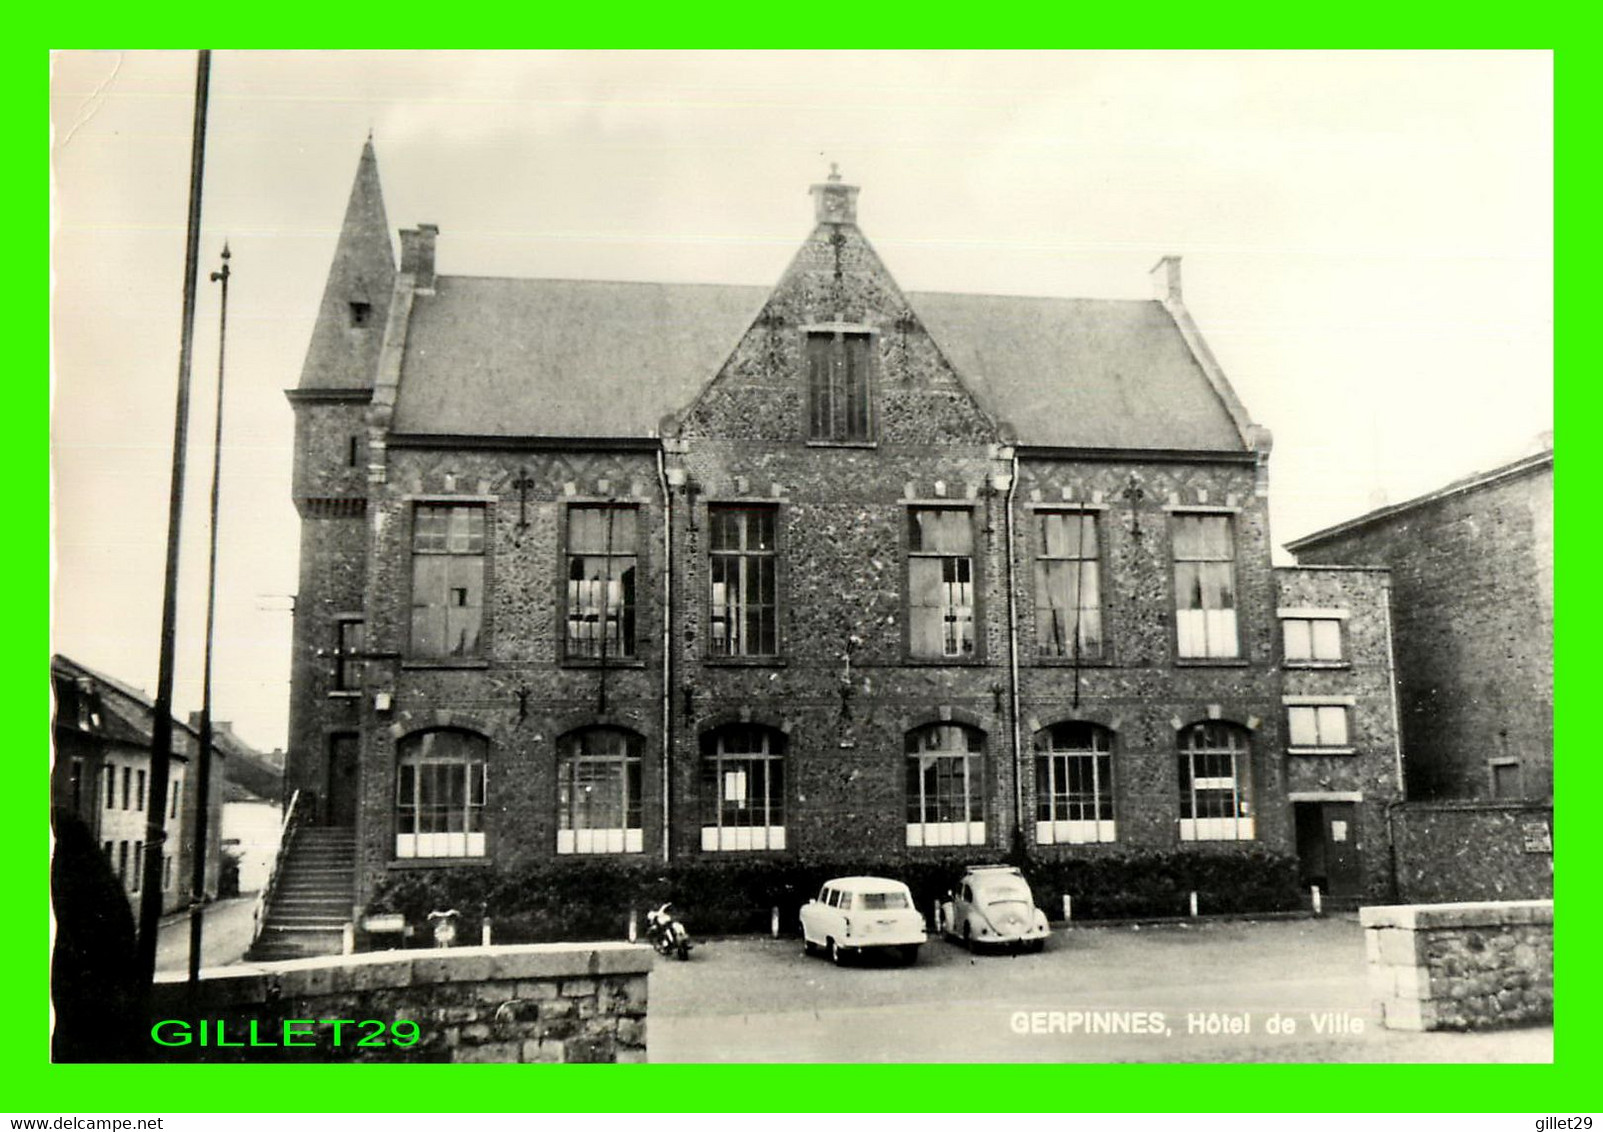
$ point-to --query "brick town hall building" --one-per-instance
(819, 570)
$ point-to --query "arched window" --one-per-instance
(1074, 784)
(1215, 783)
(439, 794)
(946, 785)
(743, 789)
(598, 792)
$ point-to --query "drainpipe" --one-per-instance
(1391, 680)
(1013, 647)
(667, 642)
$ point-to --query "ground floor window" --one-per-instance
(945, 786)
(1215, 783)
(599, 792)
(1074, 784)
(439, 795)
(743, 789)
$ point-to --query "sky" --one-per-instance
(1366, 240)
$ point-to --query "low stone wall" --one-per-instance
(1461, 966)
(1473, 851)
(529, 1003)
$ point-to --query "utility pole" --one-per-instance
(161, 726)
(197, 890)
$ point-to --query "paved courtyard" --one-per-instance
(1224, 991)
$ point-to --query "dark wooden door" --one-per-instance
(342, 780)
(1342, 860)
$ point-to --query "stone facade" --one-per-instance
(1450, 851)
(1466, 966)
(1472, 609)
(843, 695)
(540, 1003)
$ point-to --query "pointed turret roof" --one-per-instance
(356, 299)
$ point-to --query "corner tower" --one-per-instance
(330, 492)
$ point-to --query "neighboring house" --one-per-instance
(824, 569)
(252, 812)
(101, 773)
(1472, 614)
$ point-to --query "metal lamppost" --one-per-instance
(197, 888)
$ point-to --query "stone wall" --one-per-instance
(533, 1003)
(1472, 576)
(1461, 966)
(1473, 851)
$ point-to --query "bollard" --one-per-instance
(935, 917)
(1319, 901)
(633, 930)
(1193, 903)
(773, 922)
(1068, 907)
(348, 939)
(484, 933)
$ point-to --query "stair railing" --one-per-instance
(294, 817)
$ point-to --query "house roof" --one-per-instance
(1525, 466)
(125, 714)
(567, 358)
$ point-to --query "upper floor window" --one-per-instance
(1068, 591)
(945, 785)
(1074, 784)
(1311, 638)
(743, 567)
(940, 583)
(1215, 783)
(439, 795)
(447, 579)
(743, 789)
(1317, 725)
(1205, 586)
(601, 581)
(348, 654)
(838, 386)
(599, 792)
(110, 773)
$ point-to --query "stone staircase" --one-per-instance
(312, 896)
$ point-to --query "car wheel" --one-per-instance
(910, 954)
(807, 946)
(836, 955)
(968, 936)
(1037, 946)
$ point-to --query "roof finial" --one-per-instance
(834, 171)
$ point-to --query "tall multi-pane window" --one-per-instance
(139, 792)
(139, 864)
(601, 582)
(599, 792)
(1215, 783)
(945, 785)
(439, 794)
(839, 386)
(174, 794)
(743, 568)
(447, 579)
(1074, 784)
(743, 789)
(1068, 589)
(940, 583)
(127, 787)
(109, 772)
(1205, 586)
(348, 653)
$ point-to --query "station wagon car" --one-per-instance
(853, 915)
(992, 906)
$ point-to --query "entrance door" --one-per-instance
(342, 780)
(1327, 847)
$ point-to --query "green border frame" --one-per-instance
(34, 1086)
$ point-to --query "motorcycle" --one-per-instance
(665, 933)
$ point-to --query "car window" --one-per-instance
(845, 900)
(968, 897)
(1007, 890)
(827, 896)
(873, 901)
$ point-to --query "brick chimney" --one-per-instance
(417, 256)
(1166, 279)
(833, 201)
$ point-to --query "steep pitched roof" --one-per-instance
(562, 358)
(341, 356)
(120, 712)
(565, 358)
